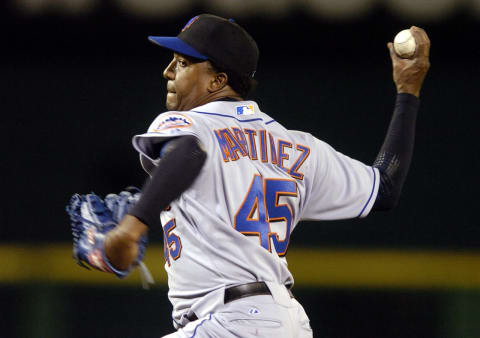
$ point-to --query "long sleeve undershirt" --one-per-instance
(393, 160)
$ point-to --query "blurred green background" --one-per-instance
(79, 79)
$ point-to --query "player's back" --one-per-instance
(233, 225)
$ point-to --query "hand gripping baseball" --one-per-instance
(91, 219)
(408, 74)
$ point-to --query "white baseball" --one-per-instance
(404, 44)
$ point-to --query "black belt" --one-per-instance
(242, 291)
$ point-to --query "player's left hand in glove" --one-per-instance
(91, 220)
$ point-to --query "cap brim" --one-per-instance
(175, 44)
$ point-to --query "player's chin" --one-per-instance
(171, 101)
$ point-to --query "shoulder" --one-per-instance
(303, 136)
(171, 120)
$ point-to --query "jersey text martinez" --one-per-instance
(261, 145)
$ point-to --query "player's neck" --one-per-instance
(225, 93)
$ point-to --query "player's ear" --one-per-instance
(217, 82)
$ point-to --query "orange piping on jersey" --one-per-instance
(170, 244)
(235, 144)
(298, 163)
(278, 194)
(166, 253)
(241, 139)
(244, 200)
(250, 214)
(269, 233)
(225, 145)
(263, 145)
(281, 155)
(251, 133)
(252, 211)
(273, 151)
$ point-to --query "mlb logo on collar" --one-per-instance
(245, 110)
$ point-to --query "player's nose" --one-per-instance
(168, 73)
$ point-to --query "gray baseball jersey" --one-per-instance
(233, 225)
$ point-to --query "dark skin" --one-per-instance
(408, 74)
(192, 84)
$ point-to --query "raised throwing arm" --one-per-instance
(393, 160)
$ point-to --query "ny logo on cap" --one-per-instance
(190, 22)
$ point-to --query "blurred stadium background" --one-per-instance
(79, 78)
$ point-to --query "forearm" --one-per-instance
(393, 160)
(121, 244)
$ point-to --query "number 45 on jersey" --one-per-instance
(261, 207)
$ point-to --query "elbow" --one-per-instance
(389, 192)
(198, 155)
(386, 202)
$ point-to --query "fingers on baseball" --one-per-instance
(422, 41)
(393, 55)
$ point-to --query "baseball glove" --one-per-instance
(91, 219)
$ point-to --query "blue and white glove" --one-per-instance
(119, 205)
(91, 219)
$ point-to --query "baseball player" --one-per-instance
(230, 184)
